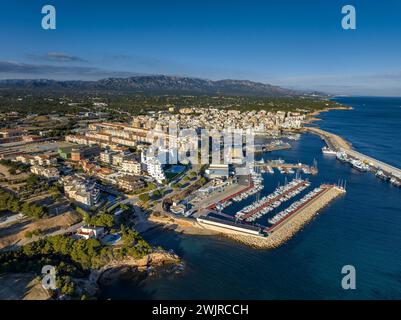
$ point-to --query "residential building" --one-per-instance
(88, 232)
(84, 152)
(50, 172)
(107, 156)
(130, 183)
(81, 190)
(131, 166)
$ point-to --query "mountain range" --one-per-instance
(153, 84)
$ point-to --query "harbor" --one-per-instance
(355, 226)
(280, 232)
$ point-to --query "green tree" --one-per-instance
(144, 197)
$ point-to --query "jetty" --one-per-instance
(286, 167)
(336, 143)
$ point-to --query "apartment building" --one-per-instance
(50, 173)
(131, 166)
(81, 190)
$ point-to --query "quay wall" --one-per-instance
(337, 143)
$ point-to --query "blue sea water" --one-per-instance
(361, 228)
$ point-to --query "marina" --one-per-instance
(298, 205)
(272, 201)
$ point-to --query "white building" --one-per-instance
(50, 173)
(88, 232)
(106, 156)
(217, 171)
(131, 166)
(155, 170)
(152, 166)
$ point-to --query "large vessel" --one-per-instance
(327, 150)
(395, 182)
(359, 165)
(342, 156)
(380, 174)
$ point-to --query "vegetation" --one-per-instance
(176, 186)
(73, 254)
(157, 194)
(144, 197)
(101, 220)
(11, 203)
(14, 166)
(73, 258)
(34, 233)
(120, 106)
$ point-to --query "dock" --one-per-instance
(278, 234)
(269, 202)
(286, 166)
(337, 143)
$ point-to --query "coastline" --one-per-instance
(312, 117)
(134, 267)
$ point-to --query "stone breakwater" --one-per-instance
(292, 225)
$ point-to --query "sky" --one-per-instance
(292, 43)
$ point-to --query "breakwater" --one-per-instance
(337, 143)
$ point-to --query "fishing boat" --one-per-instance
(380, 174)
(327, 150)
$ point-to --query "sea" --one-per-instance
(361, 228)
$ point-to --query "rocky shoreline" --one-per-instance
(145, 266)
(312, 117)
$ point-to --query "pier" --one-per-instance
(271, 201)
(337, 143)
(286, 166)
(277, 225)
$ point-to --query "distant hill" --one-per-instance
(154, 84)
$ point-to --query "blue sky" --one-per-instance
(297, 44)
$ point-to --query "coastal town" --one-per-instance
(103, 177)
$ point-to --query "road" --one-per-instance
(25, 241)
(11, 219)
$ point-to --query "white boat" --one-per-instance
(395, 182)
(327, 150)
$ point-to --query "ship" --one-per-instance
(395, 182)
(329, 151)
(360, 166)
(342, 156)
(380, 174)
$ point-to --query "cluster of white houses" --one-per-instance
(48, 172)
(41, 160)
